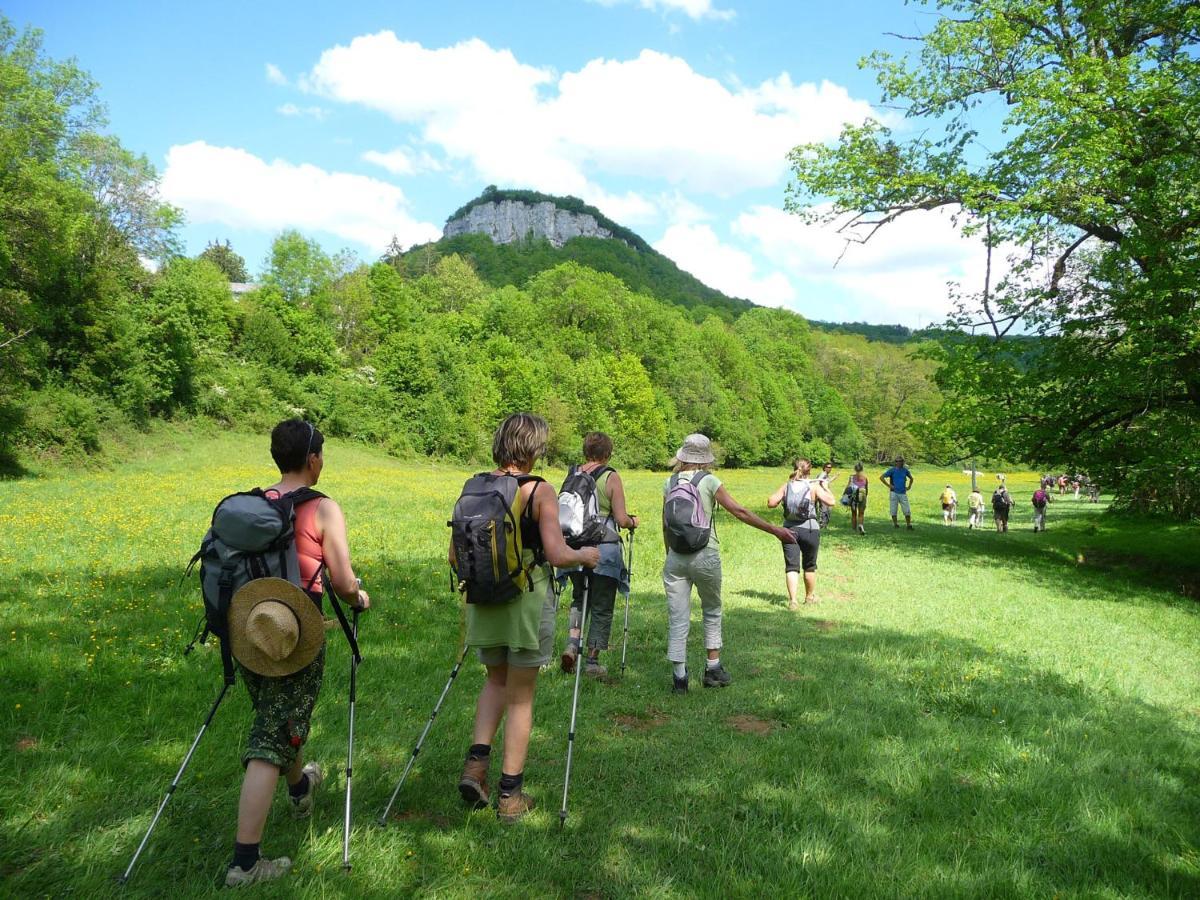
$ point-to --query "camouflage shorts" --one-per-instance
(283, 710)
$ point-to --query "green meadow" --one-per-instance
(962, 714)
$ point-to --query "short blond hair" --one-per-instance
(521, 438)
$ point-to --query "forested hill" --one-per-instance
(625, 255)
(423, 353)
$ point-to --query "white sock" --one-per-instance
(680, 669)
(713, 663)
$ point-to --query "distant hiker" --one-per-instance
(611, 574)
(856, 493)
(279, 644)
(1041, 498)
(801, 498)
(949, 505)
(1093, 492)
(898, 480)
(1001, 504)
(511, 620)
(975, 509)
(693, 558)
(1062, 485)
(825, 479)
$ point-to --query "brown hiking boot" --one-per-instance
(593, 669)
(512, 807)
(473, 784)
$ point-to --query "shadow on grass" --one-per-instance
(844, 761)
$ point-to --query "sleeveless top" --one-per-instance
(516, 625)
(309, 552)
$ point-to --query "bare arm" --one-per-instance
(615, 488)
(335, 547)
(742, 514)
(883, 480)
(558, 554)
(776, 498)
(908, 481)
(822, 493)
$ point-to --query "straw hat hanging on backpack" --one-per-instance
(274, 627)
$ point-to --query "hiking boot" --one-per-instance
(861, 530)
(593, 669)
(910, 528)
(473, 784)
(793, 606)
(716, 676)
(302, 805)
(567, 661)
(263, 870)
(680, 685)
(512, 807)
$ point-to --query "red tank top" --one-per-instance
(309, 551)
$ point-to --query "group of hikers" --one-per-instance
(515, 542)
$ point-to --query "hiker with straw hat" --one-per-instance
(694, 555)
(277, 636)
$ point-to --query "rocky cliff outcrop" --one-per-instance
(506, 221)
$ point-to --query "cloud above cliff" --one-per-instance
(698, 250)
(652, 116)
(230, 186)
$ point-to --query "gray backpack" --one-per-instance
(252, 536)
(798, 504)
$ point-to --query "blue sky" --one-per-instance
(359, 120)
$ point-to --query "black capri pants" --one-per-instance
(802, 555)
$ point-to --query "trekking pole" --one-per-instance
(562, 815)
(625, 636)
(174, 784)
(417, 749)
(350, 747)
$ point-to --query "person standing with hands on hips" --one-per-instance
(898, 480)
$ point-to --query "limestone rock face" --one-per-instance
(506, 221)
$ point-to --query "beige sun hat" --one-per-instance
(274, 627)
(697, 449)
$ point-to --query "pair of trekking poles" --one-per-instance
(355, 659)
(562, 815)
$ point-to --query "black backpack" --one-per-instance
(1001, 501)
(579, 509)
(485, 530)
(251, 536)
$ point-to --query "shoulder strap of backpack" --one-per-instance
(341, 617)
(700, 475)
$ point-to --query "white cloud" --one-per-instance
(652, 116)
(403, 161)
(697, 249)
(292, 110)
(275, 75)
(900, 274)
(234, 187)
(693, 9)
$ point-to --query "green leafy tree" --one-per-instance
(223, 256)
(1093, 175)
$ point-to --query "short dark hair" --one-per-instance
(292, 440)
(597, 446)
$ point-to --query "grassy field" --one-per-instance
(963, 714)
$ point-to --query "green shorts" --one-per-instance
(527, 659)
(283, 710)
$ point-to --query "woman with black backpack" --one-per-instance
(694, 556)
(801, 497)
(514, 634)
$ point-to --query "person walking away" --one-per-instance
(801, 497)
(515, 639)
(975, 509)
(898, 480)
(610, 575)
(1041, 498)
(1001, 504)
(949, 505)
(826, 478)
(857, 488)
(693, 558)
(283, 705)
